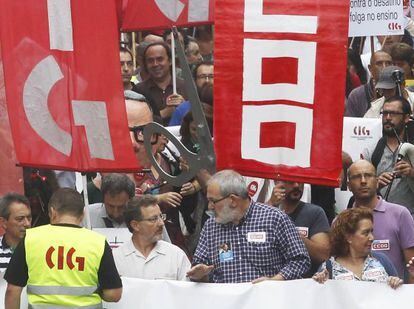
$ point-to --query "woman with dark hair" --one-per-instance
(351, 257)
(193, 203)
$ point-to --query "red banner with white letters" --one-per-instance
(11, 177)
(279, 88)
(162, 14)
(63, 84)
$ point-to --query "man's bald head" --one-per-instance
(152, 38)
(138, 113)
(362, 181)
(379, 60)
(361, 164)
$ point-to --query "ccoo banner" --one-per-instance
(279, 88)
(63, 86)
(161, 14)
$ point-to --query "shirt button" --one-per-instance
(240, 258)
(241, 273)
(238, 243)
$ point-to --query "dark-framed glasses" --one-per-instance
(205, 76)
(155, 219)
(214, 202)
(138, 132)
(391, 113)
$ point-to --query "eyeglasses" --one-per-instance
(366, 176)
(205, 76)
(391, 113)
(214, 202)
(138, 132)
(155, 219)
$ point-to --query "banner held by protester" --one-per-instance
(279, 97)
(373, 17)
(162, 14)
(65, 99)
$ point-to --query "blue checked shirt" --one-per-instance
(282, 251)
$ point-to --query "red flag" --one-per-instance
(162, 14)
(63, 85)
(11, 177)
(279, 88)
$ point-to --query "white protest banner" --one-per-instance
(358, 134)
(376, 17)
(157, 294)
(115, 236)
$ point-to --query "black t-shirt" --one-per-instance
(311, 219)
(108, 277)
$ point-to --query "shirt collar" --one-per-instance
(102, 211)
(4, 244)
(130, 248)
(380, 205)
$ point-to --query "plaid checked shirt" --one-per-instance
(282, 251)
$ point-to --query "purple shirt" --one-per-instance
(393, 232)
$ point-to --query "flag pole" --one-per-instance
(174, 73)
(87, 218)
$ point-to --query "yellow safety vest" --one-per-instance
(63, 265)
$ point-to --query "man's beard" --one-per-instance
(295, 195)
(393, 130)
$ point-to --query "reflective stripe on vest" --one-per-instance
(98, 306)
(61, 290)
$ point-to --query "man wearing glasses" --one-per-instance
(146, 256)
(245, 241)
(394, 175)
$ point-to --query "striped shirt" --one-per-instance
(264, 243)
(5, 254)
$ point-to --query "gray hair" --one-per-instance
(230, 182)
(7, 200)
(116, 183)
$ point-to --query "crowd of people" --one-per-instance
(210, 229)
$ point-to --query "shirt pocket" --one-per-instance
(261, 254)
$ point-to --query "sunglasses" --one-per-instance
(138, 132)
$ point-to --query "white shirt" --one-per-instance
(165, 261)
(98, 215)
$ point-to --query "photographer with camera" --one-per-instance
(394, 167)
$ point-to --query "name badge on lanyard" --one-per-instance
(225, 252)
